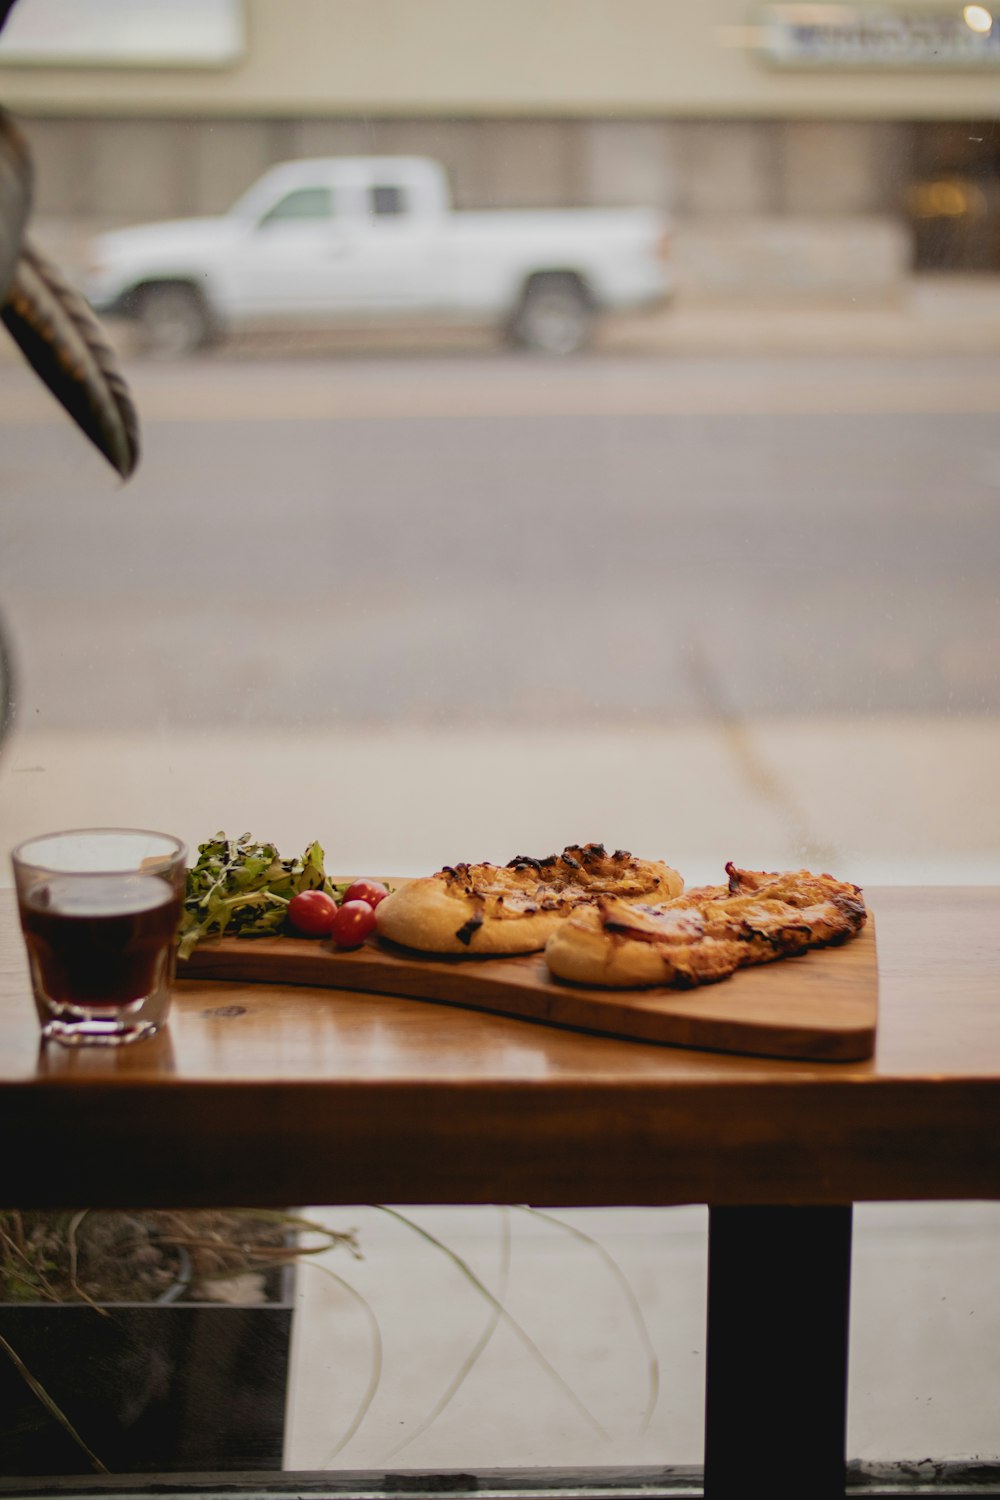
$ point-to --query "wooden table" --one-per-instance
(258, 1095)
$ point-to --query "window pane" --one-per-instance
(388, 200)
(304, 203)
(644, 490)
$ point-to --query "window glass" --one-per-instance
(387, 200)
(303, 203)
(650, 498)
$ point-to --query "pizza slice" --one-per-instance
(706, 934)
(514, 908)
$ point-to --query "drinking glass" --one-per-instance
(99, 910)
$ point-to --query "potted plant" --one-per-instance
(144, 1342)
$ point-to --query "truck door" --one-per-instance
(296, 258)
(399, 265)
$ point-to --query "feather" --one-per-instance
(6, 6)
(64, 343)
(15, 197)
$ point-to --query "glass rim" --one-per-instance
(19, 860)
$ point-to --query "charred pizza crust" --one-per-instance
(705, 935)
(515, 908)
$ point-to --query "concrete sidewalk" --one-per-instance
(877, 800)
(927, 315)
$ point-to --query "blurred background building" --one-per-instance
(800, 148)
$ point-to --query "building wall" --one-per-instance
(489, 58)
(537, 103)
(112, 170)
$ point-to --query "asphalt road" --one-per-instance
(479, 540)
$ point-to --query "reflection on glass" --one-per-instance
(977, 18)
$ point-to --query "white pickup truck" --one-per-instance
(353, 239)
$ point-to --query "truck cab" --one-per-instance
(357, 239)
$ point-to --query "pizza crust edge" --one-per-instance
(582, 951)
(424, 915)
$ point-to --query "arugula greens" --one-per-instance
(243, 888)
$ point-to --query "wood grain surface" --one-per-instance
(278, 1094)
(821, 1006)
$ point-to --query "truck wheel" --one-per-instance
(556, 315)
(173, 320)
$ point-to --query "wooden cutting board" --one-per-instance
(818, 1007)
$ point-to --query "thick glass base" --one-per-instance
(102, 1025)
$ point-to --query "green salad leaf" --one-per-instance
(243, 888)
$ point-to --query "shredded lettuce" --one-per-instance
(243, 888)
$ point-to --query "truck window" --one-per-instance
(385, 201)
(303, 203)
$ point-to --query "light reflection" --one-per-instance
(946, 198)
(977, 18)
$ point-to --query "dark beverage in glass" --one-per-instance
(103, 941)
(99, 911)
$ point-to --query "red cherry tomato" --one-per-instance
(372, 891)
(312, 913)
(352, 924)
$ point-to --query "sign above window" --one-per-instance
(125, 33)
(878, 36)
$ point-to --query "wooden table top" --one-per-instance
(256, 1094)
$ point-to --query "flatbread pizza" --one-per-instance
(515, 908)
(706, 934)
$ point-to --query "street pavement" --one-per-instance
(740, 607)
(487, 542)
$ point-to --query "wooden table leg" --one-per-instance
(776, 1392)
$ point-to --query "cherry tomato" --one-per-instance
(372, 891)
(312, 913)
(352, 924)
